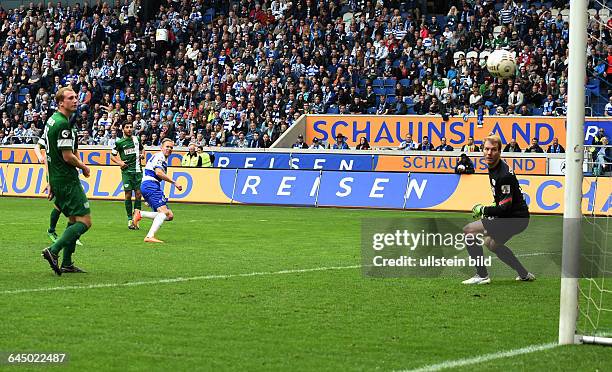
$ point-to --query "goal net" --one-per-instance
(595, 286)
(594, 323)
(586, 281)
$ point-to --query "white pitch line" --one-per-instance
(536, 254)
(203, 277)
(176, 280)
(484, 358)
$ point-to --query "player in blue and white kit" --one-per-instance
(154, 173)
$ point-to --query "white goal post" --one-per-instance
(572, 217)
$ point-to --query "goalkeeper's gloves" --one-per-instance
(478, 211)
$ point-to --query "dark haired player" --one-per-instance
(127, 154)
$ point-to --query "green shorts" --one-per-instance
(131, 180)
(70, 199)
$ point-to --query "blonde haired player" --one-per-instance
(154, 173)
(55, 212)
(64, 182)
(509, 216)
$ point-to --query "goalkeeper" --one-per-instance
(509, 216)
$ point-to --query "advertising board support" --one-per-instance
(406, 192)
(318, 188)
(373, 163)
(4, 172)
(234, 187)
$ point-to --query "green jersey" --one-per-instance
(60, 135)
(128, 149)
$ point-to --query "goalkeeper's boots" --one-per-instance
(476, 279)
(52, 260)
(137, 218)
(131, 225)
(528, 278)
(72, 269)
(52, 235)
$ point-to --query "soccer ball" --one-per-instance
(501, 64)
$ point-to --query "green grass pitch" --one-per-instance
(328, 320)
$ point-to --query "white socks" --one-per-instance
(157, 222)
(150, 215)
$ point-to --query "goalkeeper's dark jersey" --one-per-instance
(509, 201)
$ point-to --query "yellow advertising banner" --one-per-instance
(21, 155)
(543, 194)
(200, 185)
(438, 163)
(390, 131)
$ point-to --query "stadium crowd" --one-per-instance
(239, 73)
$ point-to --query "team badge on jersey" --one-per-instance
(65, 133)
(505, 189)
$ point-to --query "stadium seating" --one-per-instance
(333, 109)
(379, 91)
(209, 15)
(22, 94)
(237, 77)
(457, 56)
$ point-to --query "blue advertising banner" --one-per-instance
(592, 126)
(333, 162)
(427, 190)
(257, 160)
(257, 186)
(367, 189)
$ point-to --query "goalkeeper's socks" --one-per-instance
(150, 215)
(55, 215)
(157, 222)
(128, 207)
(476, 253)
(138, 204)
(507, 256)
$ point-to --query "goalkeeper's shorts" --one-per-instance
(503, 229)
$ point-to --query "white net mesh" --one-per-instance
(595, 289)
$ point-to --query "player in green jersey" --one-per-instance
(55, 212)
(127, 154)
(64, 183)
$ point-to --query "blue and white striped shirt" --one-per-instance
(158, 160)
